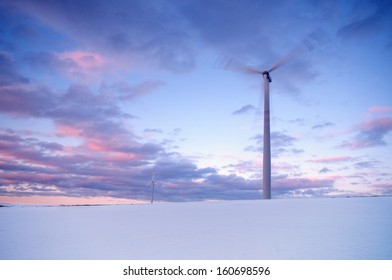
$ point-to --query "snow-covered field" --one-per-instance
(340, 228)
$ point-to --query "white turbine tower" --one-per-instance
(310, 42)
(152, 185)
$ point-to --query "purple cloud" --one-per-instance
(371, 134)
(245, 109)
(25, 101)
(281, 143)
(137, 28)
(365, 164)
(325, 170)
(8, 72)
(48, 61)
(100, 165)
(284, 182)
(164, 35)
(77, 112)
(35, 167)
(323, 125)
(34, 162)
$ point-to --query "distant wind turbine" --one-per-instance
(309, 43)
(152, 184)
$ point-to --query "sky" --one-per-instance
(97, 96)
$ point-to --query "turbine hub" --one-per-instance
(268, 75)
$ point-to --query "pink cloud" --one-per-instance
(331, 159)
(85, 60)
(67, 131)
(382, 124)
(121, 157)
(380, 109)
(333, 177)
(97, 146)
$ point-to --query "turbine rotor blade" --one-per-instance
(311, 41)
(252, 70)
(282, 61)
(229, 63)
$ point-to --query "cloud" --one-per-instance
(380, 109)
(333, 159)
(383, 189)
(366, 19)
(8, 72)
(22, 100)
(35, 167)
(228, 31)
(176, 166)
(365, 164)
(69, 59)
(243, 166)
(281, 140)
(131, 30)
(77, 112)
(167, 35)
(106, 161)
(245, 109)
(285, 166)
(47, 60)
(278, 139)
(73, 171)
(371, 134)
(303, 187)
(281, 143)
(323, 125)
(76, 65)
(84, 60)
(153, 130)
(30, 150)
(130, 92)
(325, 170)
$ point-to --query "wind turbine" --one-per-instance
(152, 184)
(309, 43)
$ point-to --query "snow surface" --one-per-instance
(340, 228)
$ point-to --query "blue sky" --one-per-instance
(95, 97)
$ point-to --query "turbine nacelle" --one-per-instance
(266, 73)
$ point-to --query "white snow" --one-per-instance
(340, 228)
